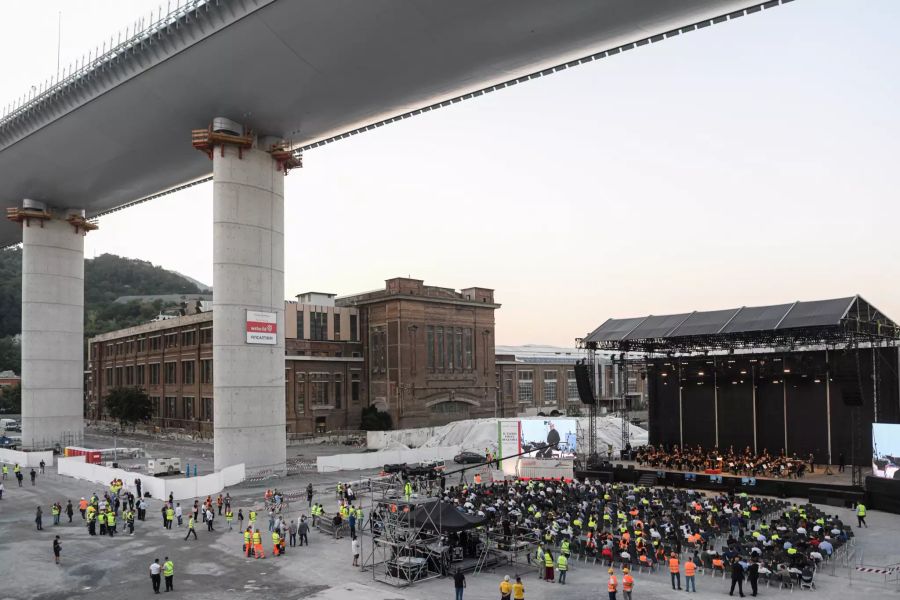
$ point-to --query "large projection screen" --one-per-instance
(886, 450)
(560, 433)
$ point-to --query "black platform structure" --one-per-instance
(803, 378)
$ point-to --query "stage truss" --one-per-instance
(402, 551)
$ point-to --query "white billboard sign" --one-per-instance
(262, 327)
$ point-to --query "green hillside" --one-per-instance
(106, 278)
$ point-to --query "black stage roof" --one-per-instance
(838, 320)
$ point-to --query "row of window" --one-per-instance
(323, 390)
(171, 409)
(184, 339)
(526, 387)
(318, 326)
(449, 348)
(134, 374)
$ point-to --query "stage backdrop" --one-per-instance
(509, 438)
(801, 401)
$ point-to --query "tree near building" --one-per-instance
(375, 420)
(11, 399)
(129, 406)
(10, 354)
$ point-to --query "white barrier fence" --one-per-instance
(373, 460)
(159, 487)
(25, 459)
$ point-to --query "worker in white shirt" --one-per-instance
(154, 575)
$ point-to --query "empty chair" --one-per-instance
(806, 579)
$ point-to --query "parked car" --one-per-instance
(469, 458)
(10, 425)
(8, 443)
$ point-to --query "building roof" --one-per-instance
(540, 354)
(803, 322)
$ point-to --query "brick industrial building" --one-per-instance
(541, 379)
(425, 354)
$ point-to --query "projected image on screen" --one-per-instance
(558, 433)
(886, 450)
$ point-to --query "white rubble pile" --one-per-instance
(478, 434)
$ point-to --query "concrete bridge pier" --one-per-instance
(248, 309)
(52, 324)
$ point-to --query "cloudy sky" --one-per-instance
(753, 162)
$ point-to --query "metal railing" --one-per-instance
(135, 36)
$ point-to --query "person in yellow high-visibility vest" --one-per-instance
(861, 515)
(190, 531)
(169, 574)
(248, 541)
(276, 539)
(257, 545)
(562, 565)
(548, 567)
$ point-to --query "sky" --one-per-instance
(753, 162)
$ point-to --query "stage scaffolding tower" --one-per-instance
(622, 393)
(590, 349)
(404, 550)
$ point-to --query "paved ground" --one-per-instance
(213, 566)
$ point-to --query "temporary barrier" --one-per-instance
(876, 570)
(158, 487)
(26, 459)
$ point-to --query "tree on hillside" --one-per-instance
(10, 354)
(10, 291)
(107, 277)
(11, 400)
(375, 420)
(129, 406)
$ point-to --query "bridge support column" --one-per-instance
(248, 309)
(52, 325)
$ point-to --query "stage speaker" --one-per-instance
(583, 379)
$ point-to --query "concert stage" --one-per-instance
(799, 378)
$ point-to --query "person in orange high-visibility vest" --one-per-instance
(675, 570)
(690, 567)
(612, 586)
(627, 584)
